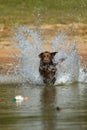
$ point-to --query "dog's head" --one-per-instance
(47, 57)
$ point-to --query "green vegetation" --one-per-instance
(16, 12)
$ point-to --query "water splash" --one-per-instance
(82, 75)
(30, 46)
(68, 70)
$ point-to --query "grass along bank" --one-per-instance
(38, 12)
(16, 12)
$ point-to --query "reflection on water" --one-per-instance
(49, 106)
(40, 113)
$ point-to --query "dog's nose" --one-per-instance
(46, 60)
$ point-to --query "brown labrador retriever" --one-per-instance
(47, 68)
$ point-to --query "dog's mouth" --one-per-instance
(46, 61)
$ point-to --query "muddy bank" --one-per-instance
(76, 32)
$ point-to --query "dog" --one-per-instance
(47, 67)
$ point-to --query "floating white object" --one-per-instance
(20, 98)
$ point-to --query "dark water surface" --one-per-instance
(40, 112)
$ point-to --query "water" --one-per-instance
(30, 45)
(40, 111)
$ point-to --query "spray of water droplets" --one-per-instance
(29, 43)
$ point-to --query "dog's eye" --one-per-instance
(48, 56)
(44, 56)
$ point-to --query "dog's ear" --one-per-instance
(40, 55)
(53, 54)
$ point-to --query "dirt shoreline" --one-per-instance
(76, 32)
